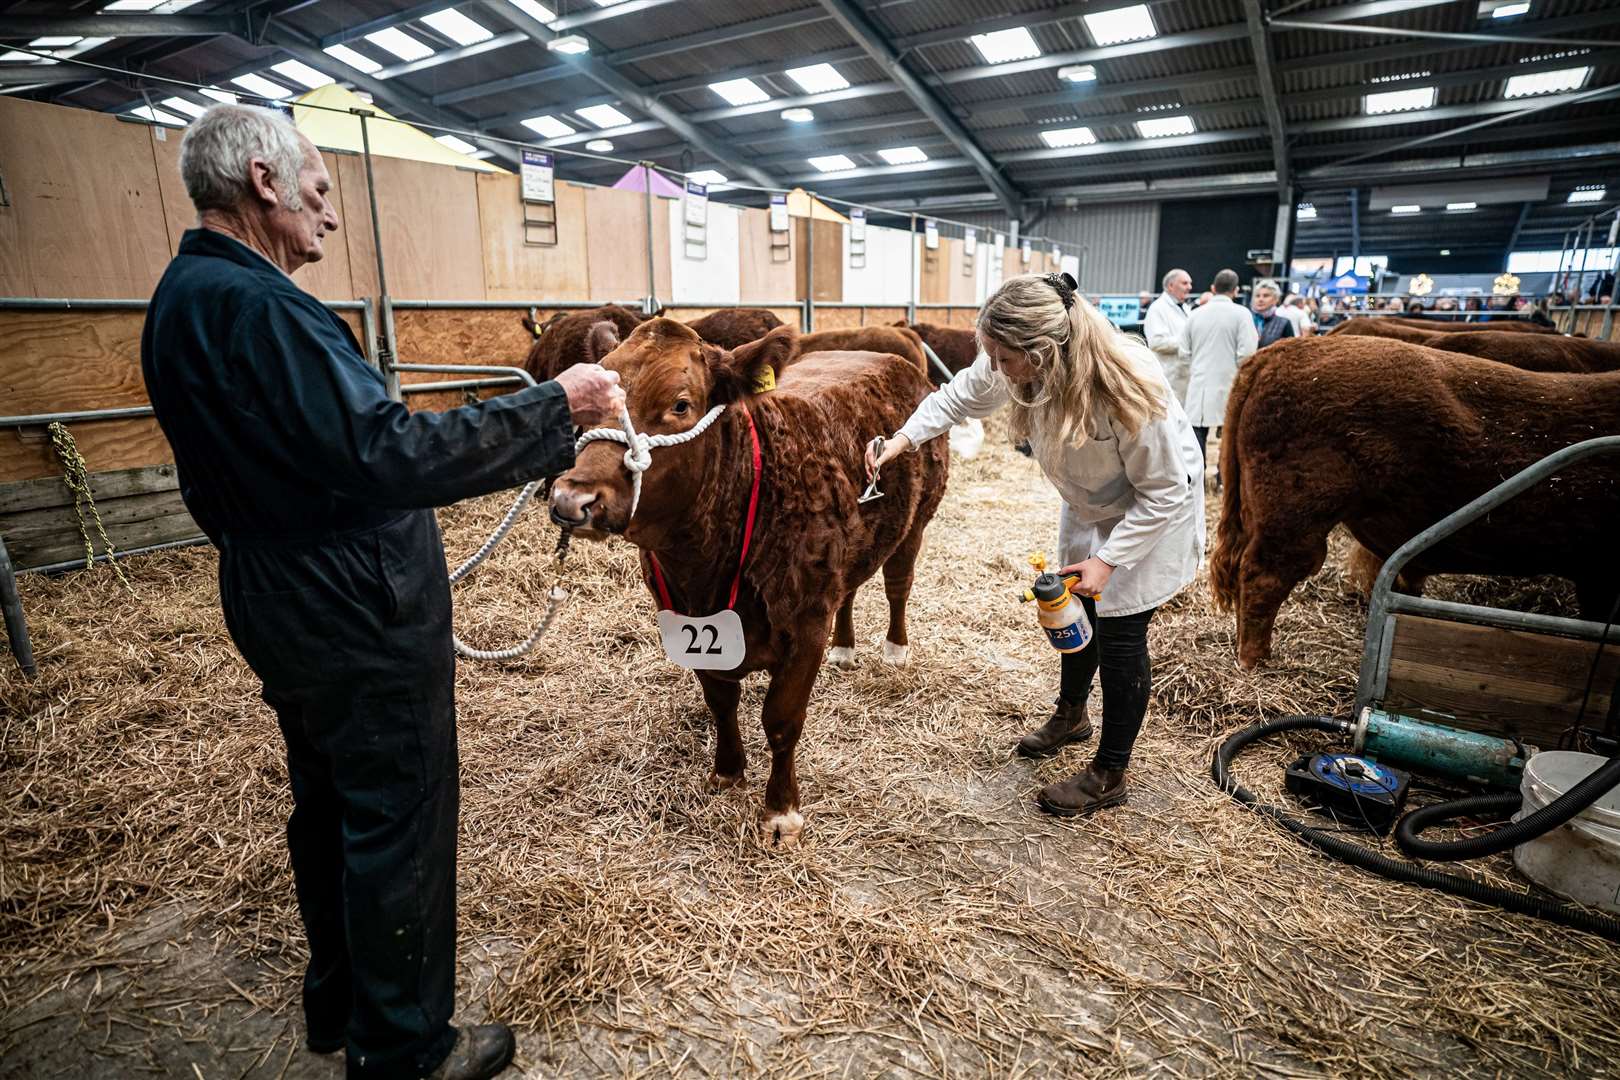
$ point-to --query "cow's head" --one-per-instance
(671, 380)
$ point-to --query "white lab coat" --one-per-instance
(1134, 501)
(1163, 326)
(1220, 336)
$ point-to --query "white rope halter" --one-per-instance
(638, 455)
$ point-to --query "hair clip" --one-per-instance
(1065, 286)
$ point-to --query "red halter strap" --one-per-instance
(664, 602)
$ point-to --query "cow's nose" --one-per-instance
(571, 506)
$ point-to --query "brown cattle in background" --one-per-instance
(898, 341)
(813, 544)
(1533, 352)
(732, 328)
(1418, 331)
(561, 341)
(957, 348)
(1387, 438)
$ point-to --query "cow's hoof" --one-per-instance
(841, 656)
(895, 654)
(782, 830)
(719, 782)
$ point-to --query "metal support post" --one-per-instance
(911, 305)
(385, 350)
(649, 306)
(810, 268)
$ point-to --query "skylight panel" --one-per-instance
(54, 42)
(302, 73)
(903, 155)
(832, 163)
(533, 10)
(1392, 101)
(146, 112)
(1071, 136)
(1587, 193)
(398, 42)
(1305, 212)
(1003, 45)
(261, 86)
(603, 116)
(818, 78)
(1134, 23)
(218, 95)
(181, 105)
(152, 7)
(456, 143)
(19, 57)
(711, 177)
(549, 126)
(457, 27)
(1161, 126)
(1560, 81)
(359, 61)
(1406, 209)
(739, 92)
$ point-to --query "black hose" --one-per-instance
(1367, 859)
(1543, 821)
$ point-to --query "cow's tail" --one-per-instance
(1227, 554)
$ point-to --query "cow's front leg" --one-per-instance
(783, 718)
(730, 759)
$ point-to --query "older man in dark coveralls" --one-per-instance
(316, 487)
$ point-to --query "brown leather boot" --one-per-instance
(1068, 724)
(1085, 792)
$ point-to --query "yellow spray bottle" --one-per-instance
(1059, 611)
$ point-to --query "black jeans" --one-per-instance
(1203, 437)
(1119, 647)
(351, 637)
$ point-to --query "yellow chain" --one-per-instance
(76, 475)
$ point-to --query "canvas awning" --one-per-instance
(390, 137)
(635, 179)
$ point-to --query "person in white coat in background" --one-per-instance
(1219, 336)
(1101, 422)
(1166, 317)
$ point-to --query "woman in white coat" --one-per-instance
(1108, 434)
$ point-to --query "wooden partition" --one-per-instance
(829, 258)
(517, 270)
(616, 236)
(849, 318)
(762, 276)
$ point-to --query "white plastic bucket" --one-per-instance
(1580, 859)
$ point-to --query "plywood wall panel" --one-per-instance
(106, 444)
(829, 261)
(354, 220)
(514, 270)
(963, 285)
(430, 231)
(761, 278)
(933, 286)
(74, 174)
(67, 361)
(616, 238)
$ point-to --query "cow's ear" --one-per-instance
(753, 368)
(603, 339)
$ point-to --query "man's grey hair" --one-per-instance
(1267, 283)
(1171, 276)
(218, 145)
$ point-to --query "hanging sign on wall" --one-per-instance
(931, 234)
(970, 241)
(779, 213)
(538, 170)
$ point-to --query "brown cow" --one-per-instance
(897, 341)
(732, 328)
(1387, 438)
(812, 543)
(560, 341)
(1419, 331)
(957, 348)
(1537, 352)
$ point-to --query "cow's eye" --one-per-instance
(682, 407)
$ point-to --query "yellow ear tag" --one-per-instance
(764, 379)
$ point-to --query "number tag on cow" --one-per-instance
(709, 643)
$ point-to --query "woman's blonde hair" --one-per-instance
(1083, 362)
